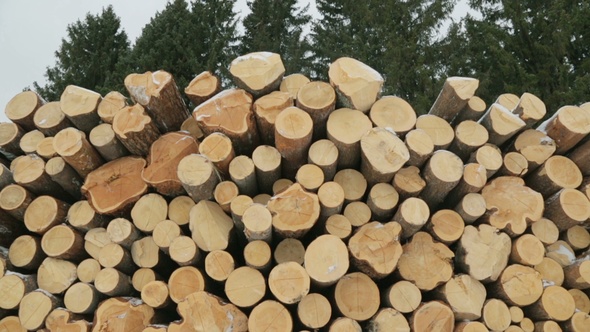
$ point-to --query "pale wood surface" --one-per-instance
(357, 85)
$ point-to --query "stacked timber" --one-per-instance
(287, 204)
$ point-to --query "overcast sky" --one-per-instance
(32, 30)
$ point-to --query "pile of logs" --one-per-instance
(287, 204)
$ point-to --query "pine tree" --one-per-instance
(88, 56)
(277, 26)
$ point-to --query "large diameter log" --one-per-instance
(535, 146)
(511, 205)
(501, 124)
(527, 250)
(80, 106)
(202, 87)
(135, 129)
(567, 208)
(394, 113)
(439, 130)
(345, 128)
(518, 285)
(185, 281)
(469, 136)
(230, 113)
(270, 316)
(557, 173)
(82, 298)
(210, 226)
(22, 108)
(50, 119)
(111, 103)
(64, 175)
(83, 217)
(357, 85)
(319, 100)
(326, 260)
(245, 287)
(294, 211)
(258, 73)
(63, 320)
(114, 187)
(382, 155)
(442, 173)
(56, 275)
(473, 110)
(375, 248)
(293, 135)
(34, 308)
(554, 304)
(454, 96)
(266, 109)
(25, 252)
(10, 135)
(71, 144)
(288, 282)
(357, 296)
(13, 287)
(103, 138)
(483, 252)
(202, 311)
(545, 230)
(158, 94)
(433, 316)
(63, 242)
(122, 314)
(465, 295)
(44, 213)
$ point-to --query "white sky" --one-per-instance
(32, 30)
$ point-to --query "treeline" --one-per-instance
(537, 46)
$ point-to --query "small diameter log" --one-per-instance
(314, 311)
(148, 211)
(577, 237)
(357, 296)
(72, 146)
(114, 187)
(294, 211)
(10, 135)
(473, 110)
(394, 113)
(508, 100)
(50, 119)
(324, 154)
(292, 83)
(469, 136)
(280, 185)
(345, 128)
(382, 200)
(531, 109)
(224, 193)
(289, 250)
(442, 173)
(242, 173)
(237, 206)
(561, 252)
(293, 134)
(64, 175)
(375, 248)
(210, 226)
(62, 241)
(551, 272)
(432, 316)
(490, 157)
(44, 213)
(454, 96)
(310, 177)
(83, 217)
(25, 252)
(103, 138)
(28, 143)
(319, 100)
(6, 176)
(516, 314)
(385, 318)
(515, 164)
(527, 250)
(257, 221)
(326, 260)
(34, 308)
(501, 124)
(82, 298)
(267, 163)
(184, 251)
(22, 108)
(567, 127)
(412, 214)
(155, 294)
(557, 173)
(146, 253)
(135, 129)
(567, 208)
(123, 314)
(288, 282)
(266, 109)
(63, 320)
(577, 323)
(440, 131)
(259, 73)
(345, 324)
(219, 264)
(30, 173)
(13, 287)
(496, 315)
(123, 232)
(511, 206)
(403, 296)
(358, 213)
(184, 281)
(535, 146)
(270, 316)
(117, 257)
(164, 233)
(112, 282)
(473, 180)
(465, 295)
(218, 148)
(198, 176)
(110, 105)
(179, 208)
(518, 285)
(56, 275)
(338, 225)
(80, 106)
(408, 182)
(245, 287)
(202, 87)
(545, 230)
(87, 270)
(382, 155)
(45, 148)
(420, 147)
(206, 312)
(357, 85)
(446, 226)
(191, 127)
(94, 240)
(577, 275)
(554, 304)
(230, 113)
(483, 252)
(471, 207)
(15, 200)
(353, 183)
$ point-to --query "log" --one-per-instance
(72, 146)
(219, 264)
(496, 315)
(22, 108)
(454, 96)
(515, 164)
(567, 127)
(527, 250)
(292, 83)
(210, 226)
(358, 213)
(577, 237)
(6, 176)
(257, 221)
(280, 185)
(243, 174)
(218, 148)
(13, 287)
(357, 296)
(567, 208)
(112, 282)
(469, 136)
(245, 287)
(357, 85)
(83, 218)
(179, 209)
(230, 112)
(28, 143)
(259, 73)
(561, 252)
(45, 149)
(375, 248)
(577, 275)
(224, 193)
(474, 178)
(11, 324)
(146, 253)
(326, 260)
(432, 316)
(63, 320)
(82, 298)
(324, 154)
(62, 241)
(121, 176)
(184, 251)
(135, 129)
(267, 163)
(44, 213)
(198, 176)
(293, 134)
(10, 135)
(289, 282)
(94, 240)
(158, 94)
(471, 207)
(518, 285)
(465, 295)
(50, 119)
(483, 253)
(164, 233)
(111, 103)
(530, 108)
(345, 128)
(394, 113)
(202, 87)
(551, 272)
(554, 304)
(577, 323)
(30, 173)
(25, 252)
(440, 131)
(385, 318)
(403, 296)
(289, 250)
(203, 311)
(155, 294)
(266, 109)
(148, 211)
(310, 177)
(516, 314)
(442, 173)
(579, 155)
(535, 146)
(142, 276)
(318, 99)
(34, 308)
(80, 106)
(353, 183)
(237, 206)
(511, 206)
(557, 173)
(420, 146)
(103, 138)
(382, 155)
(382, 201)
(473, 110)
(122, 314)
(65, 176)
(191, 126)
(501, 124)
(314, 311)
(408, 182)
(270, 316)
(490, 157)
(549, 326)
(294, 211)
(56, 275)
(87, 270)
(338, 225)
(545, 230)
(446, 226)
(15, 200)
(123, 232)
(117, 257)
(345, 324)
